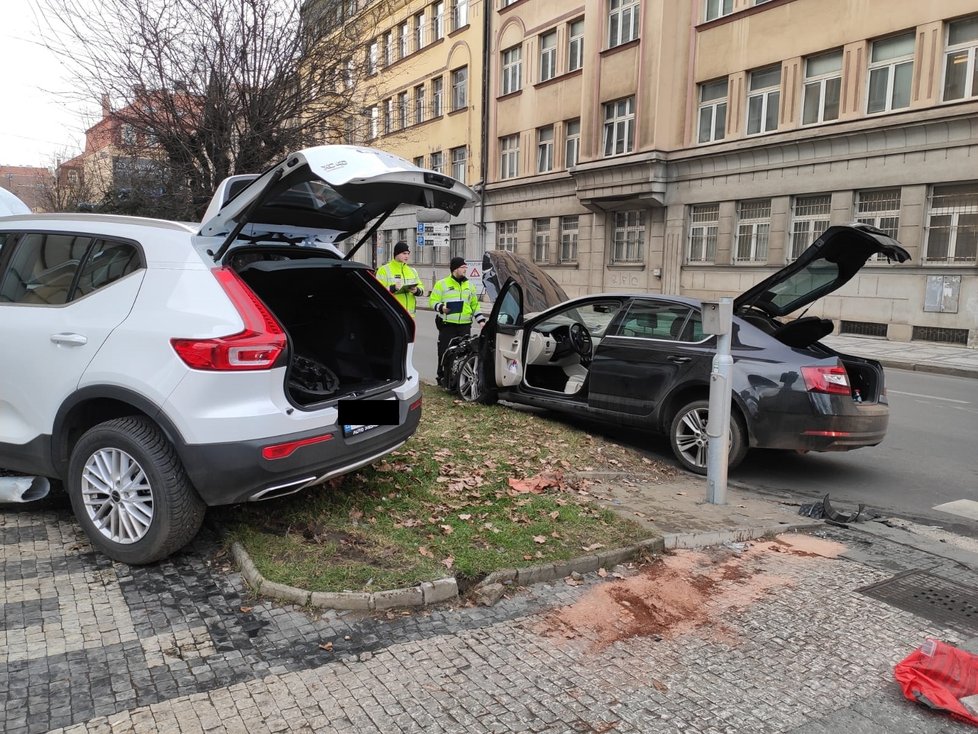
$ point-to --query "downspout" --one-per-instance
(484, 137)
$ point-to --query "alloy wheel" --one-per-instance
(468, 379)
(691, 439)
(117, 495)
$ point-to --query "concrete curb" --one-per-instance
(933, 368)
(446, 589)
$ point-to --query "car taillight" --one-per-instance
(257, 347)
(833, 380)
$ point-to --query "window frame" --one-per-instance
(628, 237)
(717, 9)
(509, 156)
(460, 14)
(823, 82)
(718, 116)
(437, 96)
(507, 235)
(572, 141)
(420, 104)
(545, 149)
(757, 225)
(619, 128)
(575, 46)
(569, 236)
(541, 240)
(457, 161)
(769, 95)
(438, 21)
(460, 88)
(548, 55)
(623, 22)
(955, 213)
(511, 69)
(969, 48)
(807, 224)
(704, 228)
(890, 66)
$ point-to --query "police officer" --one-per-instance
(456, 306)
(397, 274)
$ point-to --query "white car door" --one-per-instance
(50, 339)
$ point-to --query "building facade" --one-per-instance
(695, 146)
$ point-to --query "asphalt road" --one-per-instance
(927, 459)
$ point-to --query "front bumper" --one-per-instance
(227, 473)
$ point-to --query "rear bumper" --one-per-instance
(860, 426)
(227, 473)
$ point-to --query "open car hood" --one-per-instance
(540, 291)
(330, 190)
(10, 204)
(827, 265)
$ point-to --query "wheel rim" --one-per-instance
(468, 379)
(691, 439)
(117, 496)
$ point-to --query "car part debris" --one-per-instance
(835, 516)
(23, 489)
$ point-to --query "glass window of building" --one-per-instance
(718, 8)
(575, 44)
(545, 149)
(568, 239)
(548, 56)
(572, 143)
(823, 88)
(890, 73)
(437, 21)
(704, 224)
(420, 105)
(809, 218)
(460, 88)
(437, 161)
(952, 224)
(763, 99)
(960, 65)
(628, 236)
(881, 209)
(753, 230)
(713, 111)
(437, 96)
(512, 69)
(619, 126)
(506, 236)
(541, 240)
(622, 21)
(509, 156)
(459, 163)
(460, 14)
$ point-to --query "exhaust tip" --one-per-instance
(23, 489)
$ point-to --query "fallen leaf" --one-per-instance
(554, 515)
(448, 562)
(447, 529)
(356, 514)
(592, 547)
(246, 610)
(423, 550)
(465, 516)
(540, 539)
(572, 582)
(327, 646)
(602, 572)
(659, 685)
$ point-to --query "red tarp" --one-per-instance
(942, 677)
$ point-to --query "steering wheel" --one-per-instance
(581, 341)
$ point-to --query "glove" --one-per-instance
(392, 289)
(417, 290)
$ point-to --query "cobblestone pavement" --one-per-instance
(88, 645)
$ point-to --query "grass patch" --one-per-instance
(444, 504)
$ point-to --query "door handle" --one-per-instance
(70, 340)
(678, 360)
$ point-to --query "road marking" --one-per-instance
(964, 508)
(929, 397)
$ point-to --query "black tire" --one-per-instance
(130, 491)
(471, 383)
(687, 437)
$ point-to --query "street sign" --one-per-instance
(473, 271)
(433, 234)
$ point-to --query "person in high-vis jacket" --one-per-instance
(401, 279)
(456, 305)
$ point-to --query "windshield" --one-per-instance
(595, 316)
(799, 286)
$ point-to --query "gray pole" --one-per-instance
(718, 426)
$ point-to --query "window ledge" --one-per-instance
(626, 266)
(620, 47)
(510, 95)
(460, 29)
(559, 78)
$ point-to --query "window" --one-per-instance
(753, 229)
(881, 209)
(718, 8)
(403, 35)
(619, 126)
(548, 56)
(419, 104)
(952, 225)
(438, 21)
(575, 45)
(437, 161)
(388, 245)
(402, 110)
(960, 64)
(437, 95)
(541, 240)
(713, 111)
(419, 161)
(572, 144)
(127, 134)
(509, 156)
(374, 121)
(545, 149)
(763, 98)
(823, 88)
(662, 320)
(506, 236)
(460, 13)
(460, 80)
(628, 237)
(419, 29)
(568, 239)
(809, 219)
(388, 48)
(459, 163)
(512, 69)
(373, 53)
(456, 240)
(388, 115)
(890, 72)
(622, 21)
(704, 223)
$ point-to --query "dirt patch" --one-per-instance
(680, 592)
(809, 545)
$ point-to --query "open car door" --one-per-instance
(501, 340)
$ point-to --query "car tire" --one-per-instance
(130, 492)
(687, 437)
(471, 385)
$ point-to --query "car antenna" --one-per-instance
(244, 216)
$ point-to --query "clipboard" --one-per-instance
(453, 306)
(408, 287)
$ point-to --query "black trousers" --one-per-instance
(447, 332)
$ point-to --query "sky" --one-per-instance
(40, 123)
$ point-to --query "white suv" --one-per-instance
(157, 368)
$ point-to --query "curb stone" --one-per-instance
(446, 589)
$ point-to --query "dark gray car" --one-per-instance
(643, 359)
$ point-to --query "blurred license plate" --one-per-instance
(357, 430)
